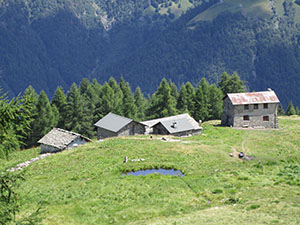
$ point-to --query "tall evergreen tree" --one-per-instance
(117, 97)
(231, 84)
(182, 102)
(216, 102)
(129, 108)
(174, 90)
(190, 90)
(60, 102)
(79, 117)
(290, 109)
(44, 119)
(140, 103)
(201, 108)
(280, 110)
(163, 103)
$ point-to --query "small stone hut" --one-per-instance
(179, 125)
(113, 125)
(58, 140)
(253, 109)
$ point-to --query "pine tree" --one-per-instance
(29, 99)
(44, 119)
(280, 110)
(231, 84)
(79, 117)
(297, 111)
(129, 108)
(117, 97)
(190, 90)
(140, 103)
(290, 109)
(84, 85)
(163, 103)
(182, 102)
(216, 102)
(60, 102)
(107, 104)
(174, 90)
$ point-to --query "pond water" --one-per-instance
(161, 171)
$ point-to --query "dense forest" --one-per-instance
(50, 43)
(27, 118)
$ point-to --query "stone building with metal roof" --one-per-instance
(113, 125)
(253, 109)
(179, 125)
(58, 139)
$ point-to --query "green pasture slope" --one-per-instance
(86, 185)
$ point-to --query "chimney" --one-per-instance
(269, 89)
(174, 125)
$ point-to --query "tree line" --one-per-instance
(27, 118)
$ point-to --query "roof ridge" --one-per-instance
(119, 116)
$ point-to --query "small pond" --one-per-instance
(161, 171)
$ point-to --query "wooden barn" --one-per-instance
(113, 125)
(58, 139)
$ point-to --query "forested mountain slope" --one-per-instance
(50, 43)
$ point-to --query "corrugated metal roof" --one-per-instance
(186, 116)
(253, 98)
(181, 125)
(113, 122)
(60, 138)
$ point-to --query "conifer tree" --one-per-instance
(280, 110)
(182, 102)
(129, 108)
(116, 98)
(201, 108)
(297, 111)
(140, 103)
(60, 102)
(79, 117)
(163, 103)
(231, 84)
(190, 90)
(290, 109)
(29, 99)
(216, 102)
(84, 85)
(44, 119)
(174, 90)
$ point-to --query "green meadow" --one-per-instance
(86, 185)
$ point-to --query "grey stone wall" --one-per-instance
(256, 116)
(103, 133)
(48, 148)
(228, 113)
(160, 129)
(132, 128)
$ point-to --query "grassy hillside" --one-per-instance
(86, 186)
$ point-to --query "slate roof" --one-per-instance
(253, 98)
(113, 122)
(181, 125)
(185, 116)
(60, 138)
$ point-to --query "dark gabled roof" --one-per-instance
(181, 125)
(253, 98)
(113, 122)
(185, 116)
(60, 138)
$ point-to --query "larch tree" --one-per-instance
(140, 103)
(60, 102)
(182, 101)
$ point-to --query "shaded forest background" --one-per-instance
(50, 43)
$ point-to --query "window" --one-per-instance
(255, 106)
(265, 118)
(265, 105)
(246, 117)
(246, 107)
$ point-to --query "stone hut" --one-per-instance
(254, 109)
(179, 125)
(113, 125)
(58, 140)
